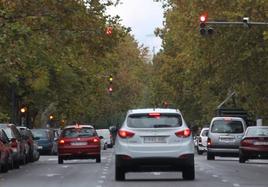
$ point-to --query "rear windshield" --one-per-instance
(78, 132)
(104, 133)
(40, 133)
(8, 132)
(227, 126)
(154, 120)
(256, 132)
(204, 133)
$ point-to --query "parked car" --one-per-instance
(79, 142)
(224, 136)
(254, 144)
(106, 140)
(154, 140)
(45, 140)
(202, 141)
(17, 143)
(5, 152)
(28, 137)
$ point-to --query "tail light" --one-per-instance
(61, 141)
(184, 133)
(96, 140)
(246, 142)
(209, 142)
(14, 143)
(125, 134)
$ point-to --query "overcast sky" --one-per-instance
(143, 16)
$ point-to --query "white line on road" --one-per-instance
(224, 180)
(156, 173)
(103, 176)
(66, 166)
(236, 185)
(215, 176)
(52, 159)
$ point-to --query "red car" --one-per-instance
(79, 142)
(6, 160)
(254, 144)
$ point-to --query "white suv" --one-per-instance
(154, 140)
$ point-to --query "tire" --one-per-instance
(119, 174)
(60, 160)
(210, 156)
(5, 167)
(16, 164)
(188, 173)
(242, 158)
(98, 159)
(199, 152)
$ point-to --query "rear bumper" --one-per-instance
(223, 151)
(79, 153)
(254, 154)
(129, 164)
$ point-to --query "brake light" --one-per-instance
(184, 133)
(62, 142)
(209, 142)
(246, 142)
(125, 134)
(14, 143)
(95, 140)
(154, 114)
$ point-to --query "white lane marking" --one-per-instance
(100, 181)
(236, 185)
(52, 174)
(105, 169)
(156, 173)
(215, 176)
(103, 176)
(52, 159)
(104, 172)
(224, 180)
(66, 166)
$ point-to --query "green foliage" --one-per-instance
(56, 53)
(199, 71)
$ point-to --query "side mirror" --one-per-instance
(100, 137)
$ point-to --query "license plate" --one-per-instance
(227, 140)
(260, 143)
(155, 139)
(40, 147)
(79, 143)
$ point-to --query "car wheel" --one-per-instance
(199, 151)
(5, 167)
(98, 159)
(242, 158)
(210, 156)
(188, 173)
(60, 160)
(16, 164)
(119, 174)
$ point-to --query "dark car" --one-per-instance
(79, 142)
(16, 142)
(45, 140)
(254, 144)
(29, 139)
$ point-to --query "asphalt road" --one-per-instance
(223, 172)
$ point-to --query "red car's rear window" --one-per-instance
(78, 132)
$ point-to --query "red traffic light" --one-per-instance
(203, 18)
(110, 89)
(109, 31)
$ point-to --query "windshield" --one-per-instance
(227, 126)
(255, 132)
(154, 120)
(78, 132)
(40, 133)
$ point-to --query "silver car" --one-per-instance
(154, 140)
(225, 134)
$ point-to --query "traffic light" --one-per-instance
(204, 29)
(109, 31)
(110, 87)
(51, 117)
(23, 109)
